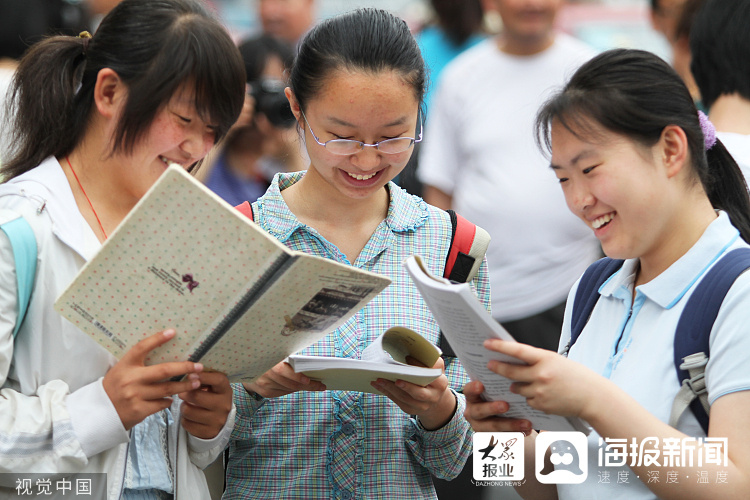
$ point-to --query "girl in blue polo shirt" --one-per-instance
(641, 167)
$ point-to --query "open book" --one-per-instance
(466, 324)
(385, 358)
(239, 300)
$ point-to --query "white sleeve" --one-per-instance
(440, 156)
(728, 370)
(51, 430)
(203, 452)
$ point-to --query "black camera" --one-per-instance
(271, 101)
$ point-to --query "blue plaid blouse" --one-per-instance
(347, 445)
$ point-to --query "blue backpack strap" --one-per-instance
(587, 294)
(697, 320)
(23, 243)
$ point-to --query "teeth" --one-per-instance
(168, 161)
(599, 222)
(361, 177)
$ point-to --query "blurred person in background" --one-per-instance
(97, 9)
(479, 158)
(286, 19)
(22, 23)
(457, 25)
(665, 18)
(263, 141)
(720, 46)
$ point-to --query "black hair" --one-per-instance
(257, 50)
(685, 22)
(720, 46)
(155, 47)
(636, 94)
(459, 18)
(367, 39)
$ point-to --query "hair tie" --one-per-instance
(86, 37)
(708, 129)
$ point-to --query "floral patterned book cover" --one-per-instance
(239, 300)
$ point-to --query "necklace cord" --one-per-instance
(87, 198)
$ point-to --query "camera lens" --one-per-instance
(271, 101)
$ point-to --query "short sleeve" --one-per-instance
(728, 370)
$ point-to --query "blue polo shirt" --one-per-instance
(629, 340)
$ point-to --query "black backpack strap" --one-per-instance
(691, 338)
(587, 295)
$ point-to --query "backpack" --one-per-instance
(23, 243)
(469, 243)
(691, 340)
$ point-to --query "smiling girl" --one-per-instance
(644, 170)
(97, 120)
(355, 89)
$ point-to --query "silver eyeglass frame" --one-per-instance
(362, 145)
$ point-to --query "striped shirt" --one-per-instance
(347, 445)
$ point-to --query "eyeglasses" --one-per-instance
(347, 147)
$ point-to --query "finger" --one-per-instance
(406, 400)
(139, 352)
(284, 375)
(160, 390)
(518, 350)
(487, 409)
(205, 398)
(414, 362)
(169, 371)
(499, 424)
(215, 382)
(473, 391)
(200, 430)
(200, 414)
(521, 373)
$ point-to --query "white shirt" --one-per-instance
(738, 146)
(479, 146)
(631, 343)
(54, 413)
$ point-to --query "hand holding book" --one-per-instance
(386, 358)
(466, 325)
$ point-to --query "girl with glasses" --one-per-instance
(355, 89)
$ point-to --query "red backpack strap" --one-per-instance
(246, 209)
(469, 243)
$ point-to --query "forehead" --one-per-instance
(367, 91)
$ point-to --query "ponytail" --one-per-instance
(47, 116)
(155, 47)
(726, 188)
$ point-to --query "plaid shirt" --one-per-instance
(347, 445)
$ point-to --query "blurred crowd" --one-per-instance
(492, 64)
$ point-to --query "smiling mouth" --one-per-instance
(602, 221)
(169, 162)
(361, 177)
